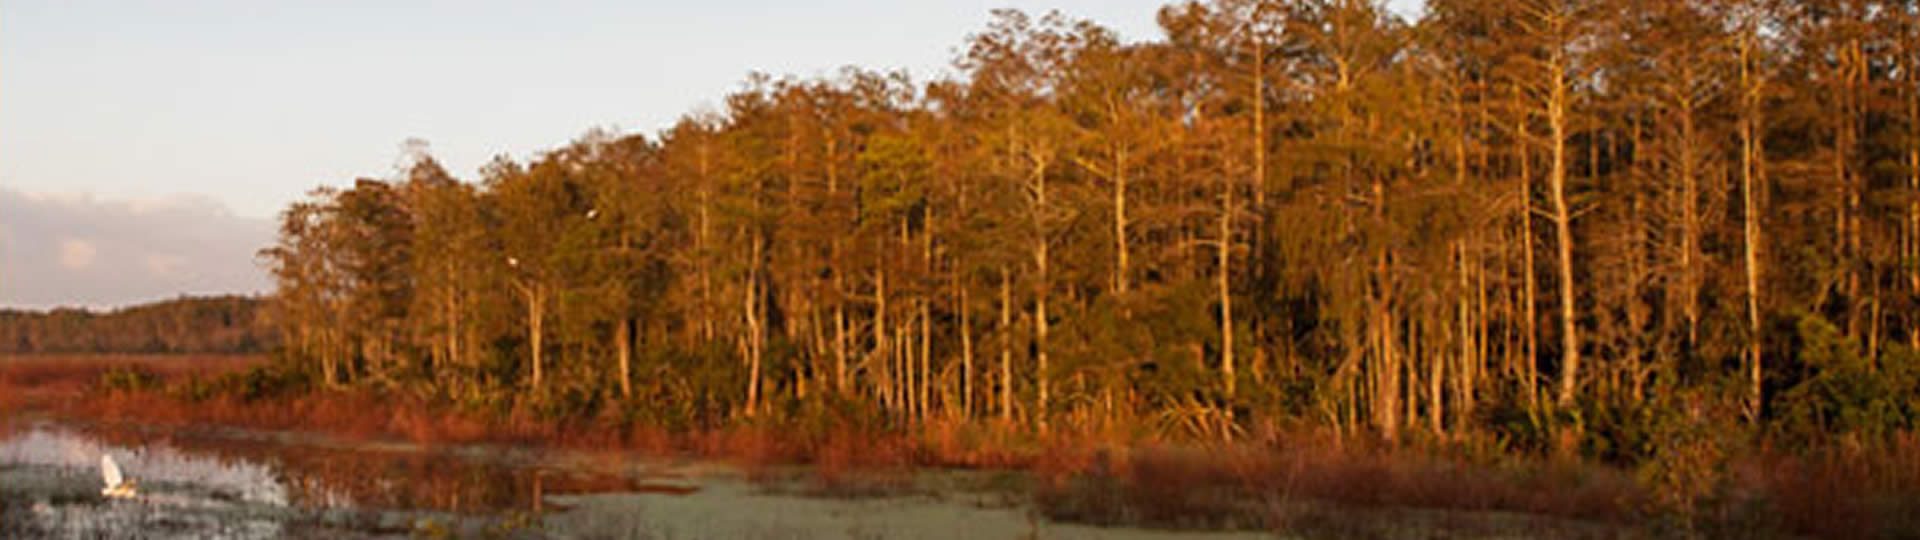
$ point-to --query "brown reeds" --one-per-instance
(1850, 490)
(1266, 485)
(1301, 480)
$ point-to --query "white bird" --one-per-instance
(118, 486)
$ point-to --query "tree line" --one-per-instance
(185, 325)
(1509, 217)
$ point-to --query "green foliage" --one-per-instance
(127, 378)
(570, 398)
(1687, 441)
(1842, 393)
(273, 380)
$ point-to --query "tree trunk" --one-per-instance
(1120, 272)
(1689, 225)
(1750, 175)
(1042, 288)
(881, 346)
(1006, 346)
(966, 353)
(623, 350)
(1852, 64)
(1530, 330)
(1913, 205)
(702, 246)
(926, 358)
(926, 313)
(1387, 396)
(1225, 248)
(536, 322)
(755, 339)
(1557, 105)
(1436, 365)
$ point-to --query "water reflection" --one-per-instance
(238, 484)
(155, 466)
(287, 470)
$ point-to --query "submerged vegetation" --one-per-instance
(1599, 259)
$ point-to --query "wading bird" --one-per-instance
(118, 486)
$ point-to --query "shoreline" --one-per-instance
(1275, 482)
(1081, 478)
(717, 501)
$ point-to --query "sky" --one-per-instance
(141, 131)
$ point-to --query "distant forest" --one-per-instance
(219, 325)
(1554, 223)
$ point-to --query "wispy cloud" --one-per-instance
(79, 250)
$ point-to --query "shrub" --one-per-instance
(1689, 439)
(128, 378)
(1844, 393)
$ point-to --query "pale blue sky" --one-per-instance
(255, 102)
(247, 104)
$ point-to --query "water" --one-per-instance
(50, 483)
(234, 484)
(237, 484)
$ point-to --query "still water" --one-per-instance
(237, 484)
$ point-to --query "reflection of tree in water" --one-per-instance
(320, 475)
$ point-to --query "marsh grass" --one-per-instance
(1298, 481)
(1282, 487)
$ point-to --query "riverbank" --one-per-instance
(232, 483)
(1302, 482)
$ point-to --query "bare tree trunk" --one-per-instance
(926, 358)
(1909, 43)
(1225, 247)
(1467, 362)
(881, 346)
(1913, 206)
(1852, 63)
(1690, 223)
(1436, 365)
(756, 338)
(452, 345)
(1120, 272)
(1466, 366)
(1913, 219)
(966, 352)
(1750, 175)
(623, 347)
(909, 389)
(1006, 346)
(842, 380)
(1530, 292)
(1042, 289)
(1040, 337)
(1260, 122)
(703, 244)
(536, 321)
(926, 314)
(1259, 186)
(1387, 395)
(1557, 105)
